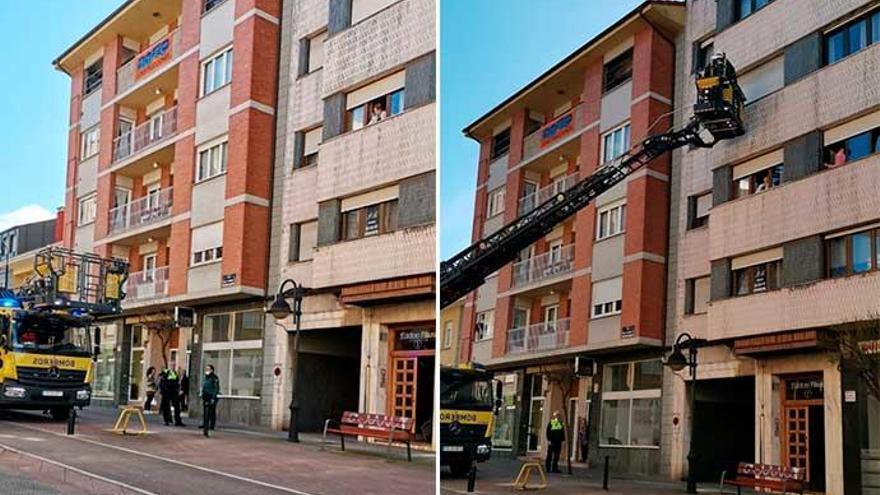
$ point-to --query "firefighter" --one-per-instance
(170, 388)
(555, 437)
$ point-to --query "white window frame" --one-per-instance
(485, 320)
(87, 210)
(217, 157)
(208, 71)
(207, 256)
(91, 142)
(447, 334)
(626, 395)
(621, 147)
(611, 221)
(495, 202)
(232, 345)
(312, 64)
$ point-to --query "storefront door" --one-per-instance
(803, 422)
(412, 377)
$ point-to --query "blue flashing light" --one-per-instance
(7, 302)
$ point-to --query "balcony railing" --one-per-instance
(150, 209)
(544, 266)
(531, 201)
(544, 336)
(157, 129)
(553, 132)
(148, 284)
(147, 62)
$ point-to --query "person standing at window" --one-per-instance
(555, 438)
(377, 112)
(210, 391)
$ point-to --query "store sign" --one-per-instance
(416, 339)
(153, 58)
(805, 389)
(228, 280)
(557, 129)
(776, 342)
(870, 346)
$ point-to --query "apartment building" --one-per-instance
(353, 210)
(19, 244)
(595, 286)
(774, 245)
(170, 156)
(451, 318)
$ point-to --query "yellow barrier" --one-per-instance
(121, 425)
(522, 479)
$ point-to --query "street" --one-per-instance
(37, 457)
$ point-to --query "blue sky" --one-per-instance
(488, 50)
(33, 131)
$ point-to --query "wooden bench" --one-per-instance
(768, 476)
(390, 428)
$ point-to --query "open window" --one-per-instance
(757, 272)
(375, 102)
(758, 175)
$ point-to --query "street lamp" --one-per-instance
(280, 310)
(677, 362)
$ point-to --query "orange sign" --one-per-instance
(153, 57)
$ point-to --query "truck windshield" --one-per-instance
(50, 336)
(459, 391)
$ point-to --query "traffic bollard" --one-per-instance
(71, 421)
(605, 474)
(472, 478)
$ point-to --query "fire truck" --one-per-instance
(47, 341)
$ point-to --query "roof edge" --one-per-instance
(57, 63)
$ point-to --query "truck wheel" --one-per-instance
(460, 469)
(60, 413)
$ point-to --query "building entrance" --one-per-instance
(724, 426)
(412, 376)
(803, 422)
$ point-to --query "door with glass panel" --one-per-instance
(536, 414)
(136, 367)
(520, 325)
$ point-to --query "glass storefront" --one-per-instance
(234, 346)
(505, 422)
(105, 366)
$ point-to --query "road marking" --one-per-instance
(163, 459)
(78, 470)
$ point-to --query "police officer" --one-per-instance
(210, 391)
(555, 437)
(170, 388)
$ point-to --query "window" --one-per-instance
(496, 203)
(207, 243)
(631, 404)
(447, 334)
(87, 209)
(611, 221)
(316, 52)
(233, 344)
(745, 8)
(375, 102)
(698, 210)
(607, 297)
(703, 51)
(485, 325)
(91, 141)
(853, 253)
(217, 72)
(615, 143)
(500, 144)
(370, 220)
(303, 239)
(696, 295)
(212, 161)
(852, 37)
(208, 255)
(853, 148)
(618, 71)
(105, 363)
(311, 141)
(763, 80)
(757, 278)
(210, 4)
(756, 182)
(93, 77)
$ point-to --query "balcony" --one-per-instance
(532, 201)
(560, 130)
(146, 285)
(148, 210)
(544, 336)
(146, 135)
(544, 266)
(148, 62)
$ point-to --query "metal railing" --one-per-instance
(531, 201)
(147, 284)
(153, 131)
(150, 60)
(544, 336)
(569, 123)
(544, 266)
(150, 209)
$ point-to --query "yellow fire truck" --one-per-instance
(47, 346)
(468, 404)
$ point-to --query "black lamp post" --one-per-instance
(677, 362)
(280, 310)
